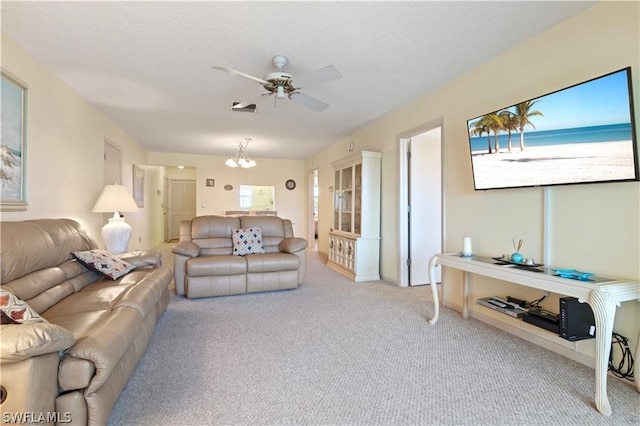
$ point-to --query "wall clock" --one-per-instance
(290, 184)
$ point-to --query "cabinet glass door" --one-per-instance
(347, 200)
(357, 198)
(337, 201)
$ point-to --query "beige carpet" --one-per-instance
(335, 352)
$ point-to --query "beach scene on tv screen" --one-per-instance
(576, 135)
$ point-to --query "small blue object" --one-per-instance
(572, 273)
(517, 258)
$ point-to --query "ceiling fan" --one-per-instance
(282, 85)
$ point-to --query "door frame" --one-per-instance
(403, 195)
(118, 162)
(310, 217)
(171, 207)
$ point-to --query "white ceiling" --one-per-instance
(147, 65)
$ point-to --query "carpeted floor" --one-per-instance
(335, 352)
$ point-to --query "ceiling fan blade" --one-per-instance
(250, 101)
(322, 75)
(240, 74)
(308, 101)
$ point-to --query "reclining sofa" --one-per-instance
(70, 336)
(219, 256)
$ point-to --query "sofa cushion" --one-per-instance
(187, 248)
(52, 239)
(205, 266)
(22, 341)
(247, 241)
(16, 311)
(272, 262)
(292, 245)
(272, 229)
(104, 262)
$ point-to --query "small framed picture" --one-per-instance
(211, 182)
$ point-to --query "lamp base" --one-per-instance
(116, 235)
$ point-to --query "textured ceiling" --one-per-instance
(147, 65)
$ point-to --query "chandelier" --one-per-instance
(240, 159)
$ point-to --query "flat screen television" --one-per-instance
(581, 134)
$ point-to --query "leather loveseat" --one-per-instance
(207, 262)
(80, 334)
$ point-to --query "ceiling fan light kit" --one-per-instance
(281, 84)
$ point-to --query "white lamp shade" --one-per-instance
(115, 198)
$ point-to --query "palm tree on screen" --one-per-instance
(494, 122)
(509, 123)
(522, 114)
(479, 128)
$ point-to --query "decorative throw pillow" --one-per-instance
(16, 311)
(247, 241)
(104, 263)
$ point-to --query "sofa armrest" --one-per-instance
(142, 258)
(23, 341)
(187, 248)
(292, 245)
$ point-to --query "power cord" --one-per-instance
(527, 305)
(617, 342)
(622, 343)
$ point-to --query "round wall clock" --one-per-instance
(290, 184)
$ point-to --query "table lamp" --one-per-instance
(116, 233)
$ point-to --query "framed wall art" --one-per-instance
(13, 145)
(138, 185)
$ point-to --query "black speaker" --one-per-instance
(576, 320)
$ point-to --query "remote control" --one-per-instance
(499, 303)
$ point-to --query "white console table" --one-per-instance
(603, 295)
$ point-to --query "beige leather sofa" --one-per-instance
(72, 368)
(204, 263)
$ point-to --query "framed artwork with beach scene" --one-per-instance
(13, 144)
(584, 133)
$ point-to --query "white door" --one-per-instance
(312, 212)
(182, 205)
(112, 164)
(112, 169)
(165, 208)
(425, 199)
(420, 204)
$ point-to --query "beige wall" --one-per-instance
(593, 227)
(65, 137)
(269, 172)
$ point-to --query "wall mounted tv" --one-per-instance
(581, 134)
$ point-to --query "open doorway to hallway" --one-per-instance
(421, 224)
(312, 216)
(179, 201)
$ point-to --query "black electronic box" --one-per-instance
(544, 319)
(576, 320)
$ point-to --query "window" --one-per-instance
(246, 196)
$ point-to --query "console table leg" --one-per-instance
(466, 276)
(434, 289)
(604, 312)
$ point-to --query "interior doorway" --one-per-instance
(312, 216)
(420, 209)
(182, 204)
(112, 163)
